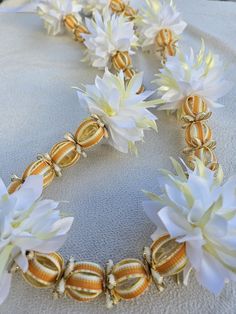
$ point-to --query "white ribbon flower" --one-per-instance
(90, 6)
(27, 223)
(157, 15)
(120, 108)
(53, 12)
(196, 208)
(108, 34)
(185, 75)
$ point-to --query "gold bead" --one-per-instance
(121, 60)
(44, 269)
(70, 22)
(168, 257)
(131, 279)
(117, 6)
(40, 167)
(197, 134)
(206, 155)
(89, 133)
(64, 154)
(193, 106)
(164, 37)
(85, 282)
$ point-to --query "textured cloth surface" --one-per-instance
(37, 106)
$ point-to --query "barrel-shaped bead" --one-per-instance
(131, 278)
(70, 22)
(43, 168)
(164, 37)
(44, 270)
(89, 133)
(117, 6)
(197, 134)
(64, 154)
(121, 60)
(193, 106)
(85, 282)
(168, 256)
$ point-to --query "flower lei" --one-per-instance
(195, 213)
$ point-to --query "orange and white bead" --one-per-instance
(44, 269)
(85, 281)
(126, 280)
(121, 60)
(197, 134)
(64, 154)
(90, 132)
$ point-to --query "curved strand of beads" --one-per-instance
(198, 134)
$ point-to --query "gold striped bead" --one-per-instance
(193, 106)
(70, 22)
(64, 154)
(85, 282)
(168, 257)
(117, 6)
(40, 167)
(44, 270)
(197, 134)
(121, 60)
(206, 155)
(164, 37)
(80, 29)
(131, 279)
(89, 133)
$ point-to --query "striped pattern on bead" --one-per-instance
(70, 22)
(197, 134)
(193, 106)
(44, 270)
(121, 60)
(168, 256)
(89, 133)
(166, 42)
(64, 154)
(40, 167)
(85, 283)
(131, 279)
(117, 6)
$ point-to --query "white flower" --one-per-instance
(108, 33)
(196, 208)
(90, 6)
(120, 108)
(53, 12)
(27, 223)
(186, 75)
(157, 15)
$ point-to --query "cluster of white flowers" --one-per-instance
(108, 33)
(196, 208)
(121, 109)
(27, 223)
(53, 12)
(185, 75)
(157, 15)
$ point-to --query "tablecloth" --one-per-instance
(37, 106)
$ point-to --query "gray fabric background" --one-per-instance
(104, 191)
